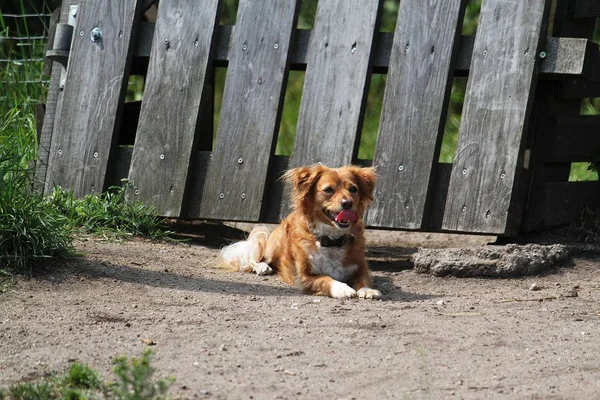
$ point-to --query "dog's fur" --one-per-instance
(295, 249)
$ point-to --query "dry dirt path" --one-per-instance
(239, 336)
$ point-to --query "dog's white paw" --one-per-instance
(262, 269)
(340, 290)
(368, 293)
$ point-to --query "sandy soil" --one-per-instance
(227, 335)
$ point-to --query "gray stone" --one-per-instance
(490, 261)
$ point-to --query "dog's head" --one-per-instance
(336, 196)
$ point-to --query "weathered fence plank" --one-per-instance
(54, 97)
(500, 88)
(337, 78)
(97, 78)
(168, 126)
(414, 110)
(252, 103)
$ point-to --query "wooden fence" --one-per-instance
(520, 129)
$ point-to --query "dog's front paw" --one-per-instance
(340, 290)
(368, 293)
(262, 269)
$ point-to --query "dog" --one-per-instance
(320, 246)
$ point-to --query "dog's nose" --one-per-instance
(346, 204)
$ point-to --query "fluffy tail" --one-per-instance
(246, 255)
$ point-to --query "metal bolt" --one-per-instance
(196, 43)
(244, 47)
(543, 54)
(162, 156)
(488, 213)
(136, 191)
(243, 196)
(406, 48)
(502, 175)
(96, 35)
(240, 160)
(95, 154)
(401, 168)
(464, 208)
(81, 33)
(120, 34)
(276, 46)
(167, 44)
(259, 81)
(485, 53)
(353, 48)
(406, 205)
(92, 188)
(464, 171)
(59, 152)
(221, 195)
(171, 189)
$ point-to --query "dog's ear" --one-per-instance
(303, 179)
(366, 179)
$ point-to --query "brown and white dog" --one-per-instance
(320, 246)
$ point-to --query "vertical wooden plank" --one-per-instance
(179, 61)
(337, 79)
(53, 99)
(501, 84)
(93, 94)
(252, 103)
(414, 110)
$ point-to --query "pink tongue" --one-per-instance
(346, 216)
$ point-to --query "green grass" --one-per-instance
(134, 381)
(109, 214)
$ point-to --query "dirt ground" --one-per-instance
(228, 335)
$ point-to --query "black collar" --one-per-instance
(327, 241)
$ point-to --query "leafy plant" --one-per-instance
(134, 382)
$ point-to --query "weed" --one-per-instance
(134, 382)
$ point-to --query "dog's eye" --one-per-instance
(353, 189)
(328, 190)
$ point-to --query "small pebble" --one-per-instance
(534, 286)
(571, 293)
(440, 302)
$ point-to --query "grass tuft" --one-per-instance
(109, 214)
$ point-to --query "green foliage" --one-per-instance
(109, 214)
(134, 382)
(30, 228)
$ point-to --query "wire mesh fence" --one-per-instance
(23, 35)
